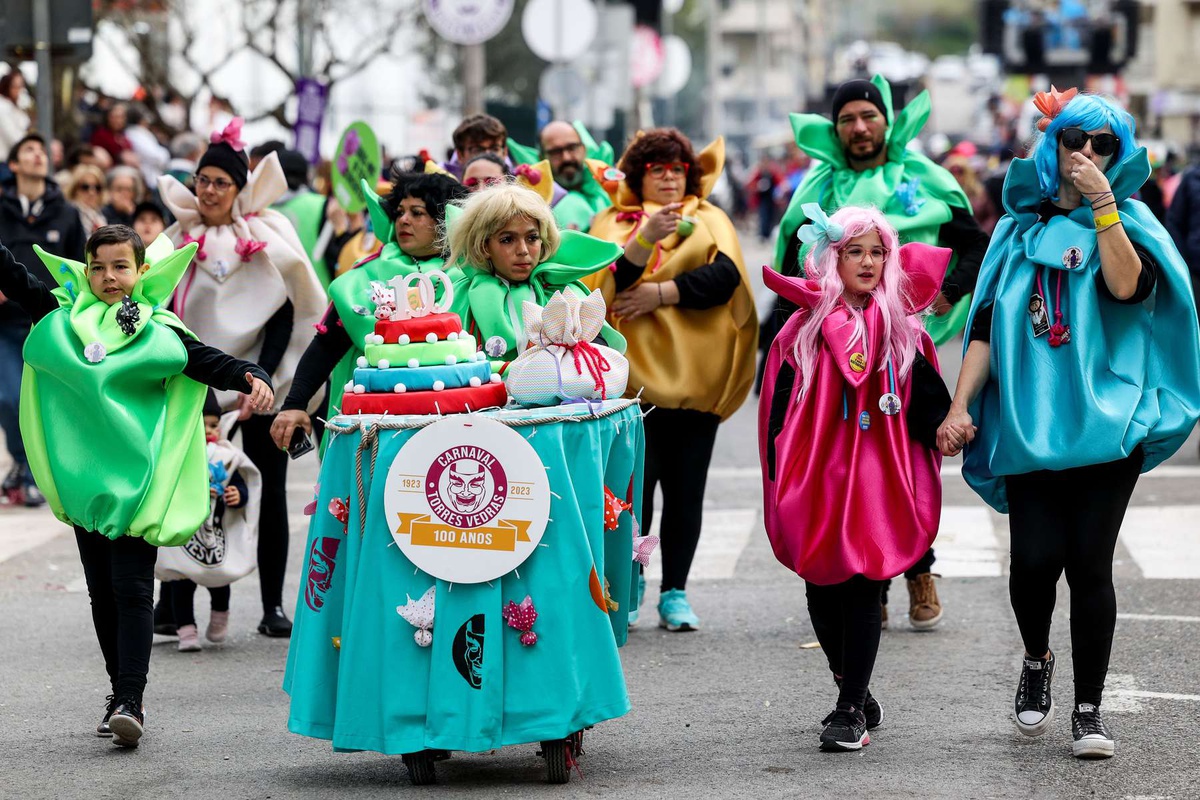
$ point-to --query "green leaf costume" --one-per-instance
(112, 427)
(351, 291)
(306, 211)
(491, 306)
(833, 184)
(574, 211)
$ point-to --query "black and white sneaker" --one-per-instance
(1034, 708)
(1092, 737)
(102, 729)
(873, 712)
(845, 729)
(127, 723)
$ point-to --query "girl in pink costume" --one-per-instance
(852, 399)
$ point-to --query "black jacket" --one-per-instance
(56, 229)
(1183, 219)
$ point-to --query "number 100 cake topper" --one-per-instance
(421, 301)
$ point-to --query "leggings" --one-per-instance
(679, 446)
(273, 518)
(120, 581)
(1069, 521)
(181, 595)
(846, 617)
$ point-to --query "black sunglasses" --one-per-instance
(1103, 144)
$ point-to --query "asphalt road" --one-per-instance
(730, 711)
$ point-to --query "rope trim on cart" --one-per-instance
(370, 438)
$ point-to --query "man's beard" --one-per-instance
(871, 156)
(570, 183)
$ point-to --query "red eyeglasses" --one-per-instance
(677, 168)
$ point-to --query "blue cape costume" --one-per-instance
(1129, 376)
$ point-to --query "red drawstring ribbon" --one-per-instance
(596, 363)
(1060, 333)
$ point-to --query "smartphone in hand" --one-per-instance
(301, 443)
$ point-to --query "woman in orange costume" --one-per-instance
(681, 297)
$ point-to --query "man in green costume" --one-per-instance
(111, 402)
(574, 158)
(861, 158)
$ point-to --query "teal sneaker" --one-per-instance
(635, 613)
(675, 613)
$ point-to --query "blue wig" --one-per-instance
(1089, 112)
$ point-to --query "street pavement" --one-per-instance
(731, 711)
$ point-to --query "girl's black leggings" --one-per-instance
(182, 594)
(679, 447)
(1069, 521)
(120, 581)
(846, 617)
(273, 518)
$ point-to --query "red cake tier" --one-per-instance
(448, 401)
(418, 328)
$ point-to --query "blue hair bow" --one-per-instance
(820, 230)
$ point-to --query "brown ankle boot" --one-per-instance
(924, 608)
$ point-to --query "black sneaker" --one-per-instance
(1034, 707)
(275, 624)
(845, 729)
(126, 723)
(1092, 737)
(110, 706)
(33, 496)
(871, 709)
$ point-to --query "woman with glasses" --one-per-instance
(485, 169)
(85, 191)
(680, 295)
(125, 191)
(252, 292)
(1081, 371)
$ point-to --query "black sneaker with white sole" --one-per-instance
(1034, 707)
(110, 706)
(1092, 737)
(127, 723)
(845, 729)
(872, 710)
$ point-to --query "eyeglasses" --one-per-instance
(565, 150)
(856, 254)
(677, 168)
(471, 183)
(89, 187)
(495, 147)
(1103, 144)
(220, 184)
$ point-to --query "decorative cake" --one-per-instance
(419, 360)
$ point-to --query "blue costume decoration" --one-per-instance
(1129, 374)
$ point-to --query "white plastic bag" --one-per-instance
(561, 364)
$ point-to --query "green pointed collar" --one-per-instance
(381, 223)
(596, 151)
(95, 322)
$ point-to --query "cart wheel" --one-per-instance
(558, 760)
(420, 768)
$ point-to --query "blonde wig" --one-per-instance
(488, 211)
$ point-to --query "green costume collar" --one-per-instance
(590, 189)
(95, 322)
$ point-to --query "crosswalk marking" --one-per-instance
(1165, 541)
(966, 544)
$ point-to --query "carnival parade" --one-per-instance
(650, 398)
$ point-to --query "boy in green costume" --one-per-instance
(409, 223)
(861, 158)
(103, 342)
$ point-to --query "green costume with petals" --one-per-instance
(491, 306)
(574, 211)
(350, 292)
(306, 211)
(833, 184)
(112, 427)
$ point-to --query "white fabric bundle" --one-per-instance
(561, 364)
(224, 549)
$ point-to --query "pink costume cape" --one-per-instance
(844, 501)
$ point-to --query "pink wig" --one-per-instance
(901, 330)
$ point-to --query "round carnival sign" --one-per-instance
(467, 499)
(468, 21)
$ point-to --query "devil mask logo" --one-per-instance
(467, 651)
(321, 562)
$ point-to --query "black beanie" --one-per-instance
(234, 162)
(211, 407)
(295, 168)
(858, 89)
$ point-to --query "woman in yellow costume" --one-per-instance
(680, 296)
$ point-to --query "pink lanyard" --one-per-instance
(1059, 333)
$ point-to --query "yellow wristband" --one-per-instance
(641, 240)
(1107, 220)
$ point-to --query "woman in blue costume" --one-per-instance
(1081, 371)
